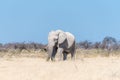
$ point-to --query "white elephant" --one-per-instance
(60, 42)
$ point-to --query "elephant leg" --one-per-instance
(53, 55)
(73, 51)
(49, 55)
(52, 58)
(73, 55)
(64, 56)
(60, 52)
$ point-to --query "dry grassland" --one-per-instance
(89, 65)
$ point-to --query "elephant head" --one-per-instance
(55, 38)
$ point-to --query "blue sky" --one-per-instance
(31, 20)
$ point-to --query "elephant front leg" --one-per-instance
(60, 51)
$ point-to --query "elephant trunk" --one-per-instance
(51, 55)
(52, 52)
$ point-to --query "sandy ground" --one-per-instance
(81, 69)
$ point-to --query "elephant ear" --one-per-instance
(62, 37)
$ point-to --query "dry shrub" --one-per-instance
(96, 53)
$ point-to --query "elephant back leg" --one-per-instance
(73, 54)
(64, 56)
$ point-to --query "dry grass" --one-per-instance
(23, 53)
(31, 65)
(90, 53)
(80, 53)
(100, 68)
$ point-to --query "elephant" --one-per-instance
(62, 43)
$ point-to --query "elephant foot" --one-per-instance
(53, 59)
